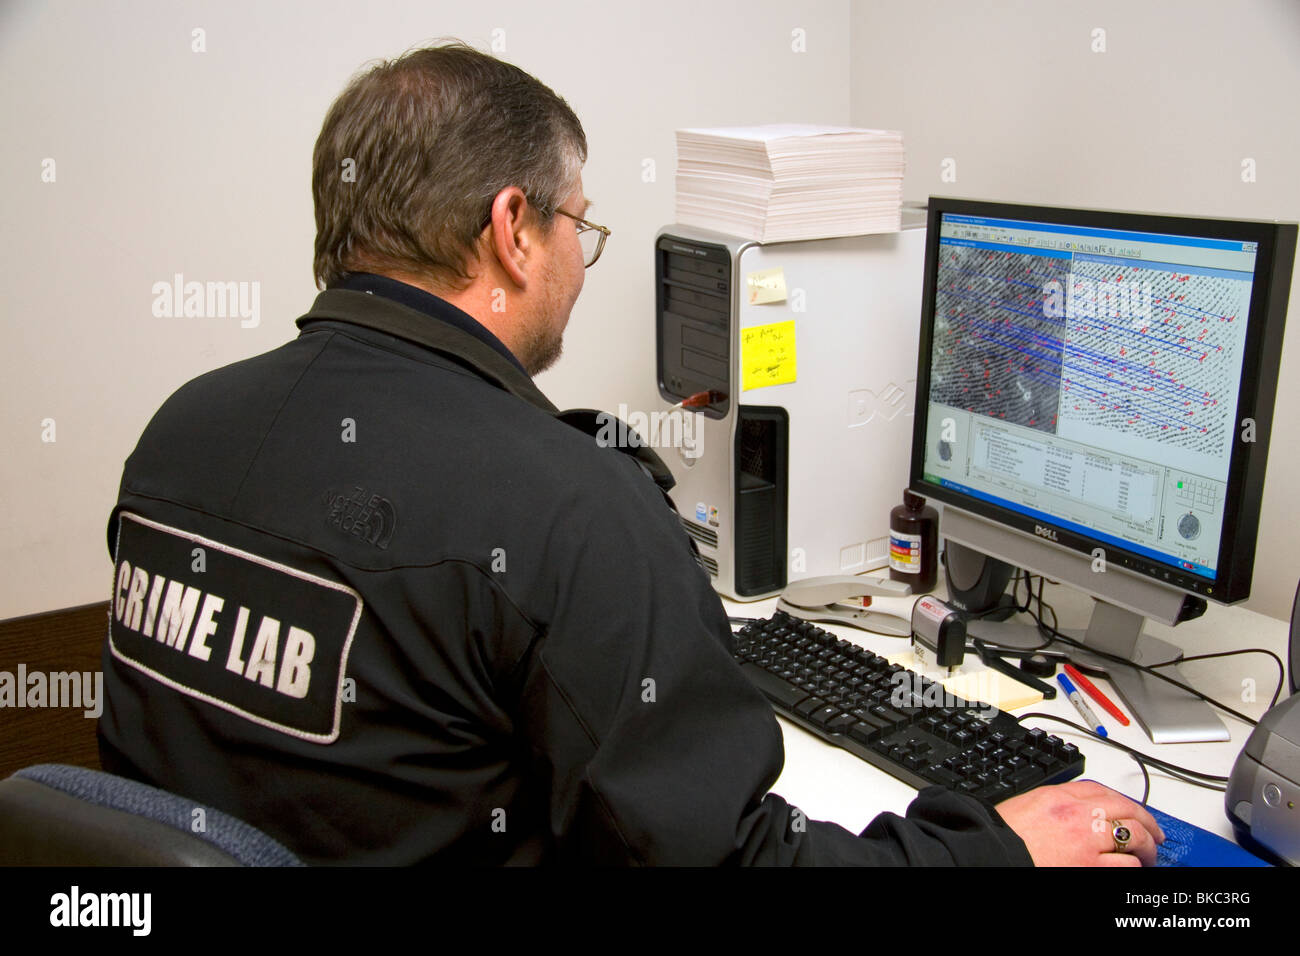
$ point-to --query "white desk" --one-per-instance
(832, 784)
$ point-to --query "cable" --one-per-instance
(1019, 608)
(1164, 677)
(1043, 605)
(1175, 773)
(1196, 778)
(1154, 761)
(1015, 591)
(1146, 780)
(1015, 607)
(1281, 668)
(1052, 632)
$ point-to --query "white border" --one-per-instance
(329, 738)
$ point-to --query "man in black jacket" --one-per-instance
(376, 596)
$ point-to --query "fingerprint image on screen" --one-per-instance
(997, 350)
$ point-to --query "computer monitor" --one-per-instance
(1094, 401)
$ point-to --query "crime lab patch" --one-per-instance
(260, 639)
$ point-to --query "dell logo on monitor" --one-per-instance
(1047, 533)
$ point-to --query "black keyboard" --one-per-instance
(894, 718)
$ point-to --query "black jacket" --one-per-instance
(375, 598)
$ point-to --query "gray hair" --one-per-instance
(413, 152)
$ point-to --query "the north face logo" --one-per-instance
(366, 516)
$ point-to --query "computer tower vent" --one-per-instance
(762, 468)
(700, 533)
(757, 447)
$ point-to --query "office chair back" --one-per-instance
(56, 815)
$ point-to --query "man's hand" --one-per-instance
(1071, 825)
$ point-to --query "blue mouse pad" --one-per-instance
(1188, 845)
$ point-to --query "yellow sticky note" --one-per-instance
(766, 286)
(767, 355)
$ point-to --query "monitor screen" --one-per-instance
(1103, 380)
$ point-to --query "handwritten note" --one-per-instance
(766, 286)
(767, 355)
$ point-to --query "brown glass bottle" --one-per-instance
(914, 543)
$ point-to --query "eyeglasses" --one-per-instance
(591, 236)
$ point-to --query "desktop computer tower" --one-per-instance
(809, 350)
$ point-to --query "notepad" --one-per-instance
(978, 684)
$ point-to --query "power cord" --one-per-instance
(1196, 778)
(1051, 632)
(1144, 761)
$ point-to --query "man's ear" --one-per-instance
(511, 233)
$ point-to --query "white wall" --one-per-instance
(1160, 122)
(173, 161)
(168, 160)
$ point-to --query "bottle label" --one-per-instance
(905, 552)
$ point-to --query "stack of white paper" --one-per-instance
(790, 181)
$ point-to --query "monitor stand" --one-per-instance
(978, 556)
(1167, 713)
